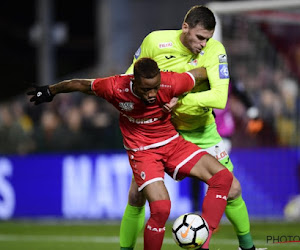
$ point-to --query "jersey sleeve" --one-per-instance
(103, 87)
(145, 50)
(218, 76)
(183, 82)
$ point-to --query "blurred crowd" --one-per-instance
(263, 59)
(276, 96)
(77, 122)
(72, 123)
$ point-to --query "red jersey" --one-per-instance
(143, 125)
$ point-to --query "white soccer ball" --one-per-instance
(190, 231)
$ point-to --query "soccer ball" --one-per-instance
(190, 231)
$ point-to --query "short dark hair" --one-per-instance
(202, 15)
(146, 68)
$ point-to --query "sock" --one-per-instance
(215, 200)
(206, 243)
(237, 214)
(155, 227)
(131, 225)
(245, 241)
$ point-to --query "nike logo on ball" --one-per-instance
(183, 235)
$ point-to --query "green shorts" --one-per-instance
(209, 139)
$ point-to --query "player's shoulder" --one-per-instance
(214, 42)
(170, 76)
(124, 78)
(162, 35)
(214, 45)
(121, 80)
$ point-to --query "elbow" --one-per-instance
(222, 104)
(221, 100)
(222, 96)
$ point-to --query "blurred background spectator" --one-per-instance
(263, 54)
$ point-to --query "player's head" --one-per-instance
(197, 28)
(146, 81)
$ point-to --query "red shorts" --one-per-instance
(176, 158)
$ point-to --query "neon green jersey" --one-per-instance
(193, 110)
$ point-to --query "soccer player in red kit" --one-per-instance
(153, 145)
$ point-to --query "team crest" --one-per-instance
(217, 150)
(194, 62)
(126, 106)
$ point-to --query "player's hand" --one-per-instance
(169, 106)
(40, 94)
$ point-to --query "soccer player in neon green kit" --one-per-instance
(179, 51)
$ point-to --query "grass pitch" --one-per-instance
(65, 235)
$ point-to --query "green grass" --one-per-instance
(64, 235)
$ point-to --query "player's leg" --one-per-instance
(237, 213)
(148, 170)
(190, 160)
(133, 218)
(209, 139)
(219, 181)
(160, 206)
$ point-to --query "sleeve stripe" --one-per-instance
(92, 87)
(192, 76)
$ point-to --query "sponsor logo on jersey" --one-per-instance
(165, 45)
(137, 53)
(194, 62)
(165, 86)
(141, 120)
(169, 57)
(222, 59)
(223, 71)
(126, 106)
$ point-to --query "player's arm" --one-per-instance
(199, 74)
(80, 85)
(216, 97)
(218, 76)
(46, 93)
